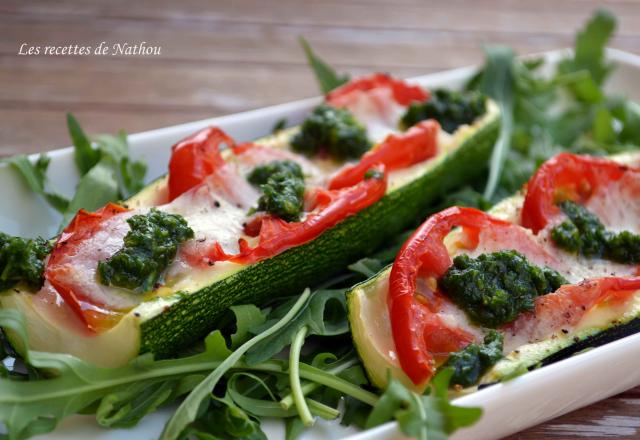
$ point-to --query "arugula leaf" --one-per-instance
(367, 266)
(95, 189)
(125, 407)
(28, 408)
(279, 125)
(603, 127)
(129, 174)
(294, 377)
(85, 155)
(589, 47)
(114, 176)
(546, 119)
(247, 317)
(293, 428)
(107, 172)
(465, 196)
(111, 176)
(188, 410)
(426, 417)
(224, 419)
(254, 396)
(325, 314)
(329, 363)
(327, 78)
(498, 83)
(35, 175)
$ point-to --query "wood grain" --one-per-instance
(222, 57)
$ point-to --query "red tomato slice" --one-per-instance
(397, 151)
(413, 320)
(565, 307)
(403, 93)
(195, 158)
(276, 235)
(568, 177)
(57, 271)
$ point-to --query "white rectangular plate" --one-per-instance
(509, 407)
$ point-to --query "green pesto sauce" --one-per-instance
(334, 131)
(450, 108)
(282, 185)
(493, 289)
(470, 363)
(584, 234)
(22, 261)
(149, 247)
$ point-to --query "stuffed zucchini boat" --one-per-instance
(240, 223)
(539, 277)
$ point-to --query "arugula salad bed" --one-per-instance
(293, 359)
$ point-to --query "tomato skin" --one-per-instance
(403, 93)
(195, 158)
(84, 225)
(567, 306)
(424, 253)
(566, 176)
(397, 151)
(276, 235)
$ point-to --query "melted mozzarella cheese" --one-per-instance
(213, 220)
(606, 204)
(377, 110)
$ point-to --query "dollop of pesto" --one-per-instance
(282, 185)
(450, 108)
(470, 363)
(22, 261)
(334, 131)
(493, 289)
(584, 234)
(149, 247)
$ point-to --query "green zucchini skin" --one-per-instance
(194, 315)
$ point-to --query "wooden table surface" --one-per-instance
(221, 57)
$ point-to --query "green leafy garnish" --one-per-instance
(114, 176)
(107, 173)
(498, 83)
(149, 247)
(545, 114)
(248, 316)
(590, 45)
(324, 315)
(35, 175)
(122, 396)
(327, 78)
(332, 131)
(22, 261)
(86, 156)
(32, 407)
(189, 409)
(280, 125)
(427, 417)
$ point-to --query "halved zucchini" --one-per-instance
(183, 313)
(371, 328)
